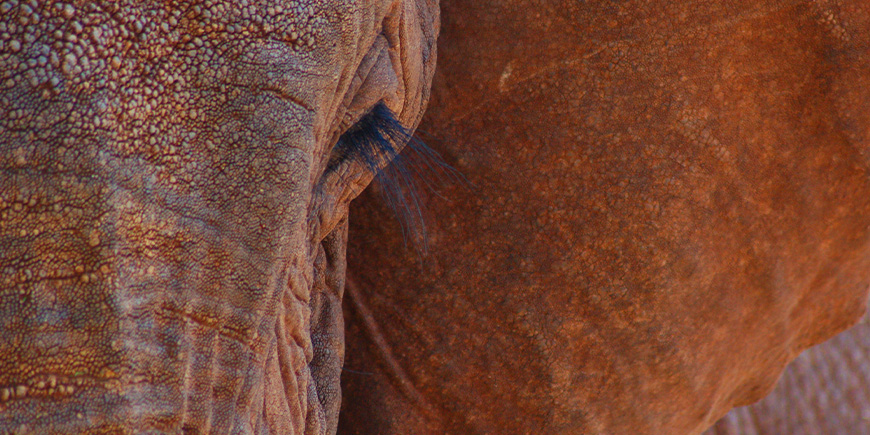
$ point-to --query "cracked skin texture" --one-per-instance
(669, 203)
(171, 246)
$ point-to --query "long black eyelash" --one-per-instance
(374, 141)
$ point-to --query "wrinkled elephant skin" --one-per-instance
(669, 202)
(173, 216)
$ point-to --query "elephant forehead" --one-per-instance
(151, 73)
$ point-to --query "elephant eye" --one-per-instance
(374, 140)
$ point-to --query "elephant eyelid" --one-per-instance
(375, 140)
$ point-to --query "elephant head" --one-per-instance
(174, 184)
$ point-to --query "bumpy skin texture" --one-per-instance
(171, 245)
(669, 202)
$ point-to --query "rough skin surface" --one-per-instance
(171, 246)
(669, 202)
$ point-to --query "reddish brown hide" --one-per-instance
(826, 390)
(669, 203)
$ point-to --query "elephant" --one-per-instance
(643, 244)
(173, 204)
(666, 202)
(824, 391)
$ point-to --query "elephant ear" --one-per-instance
(824, 390)
(670, 204)
(827, 388)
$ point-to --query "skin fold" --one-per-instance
(171, 243)
(825, 390)
(668, 202)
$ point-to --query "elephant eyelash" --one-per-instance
(375, 141)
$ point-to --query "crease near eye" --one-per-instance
(376, 141)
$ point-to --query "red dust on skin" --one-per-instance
(671, 202)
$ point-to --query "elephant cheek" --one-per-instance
(118, 314)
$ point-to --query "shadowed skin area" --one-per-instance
(171, 240)
(669, 203)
